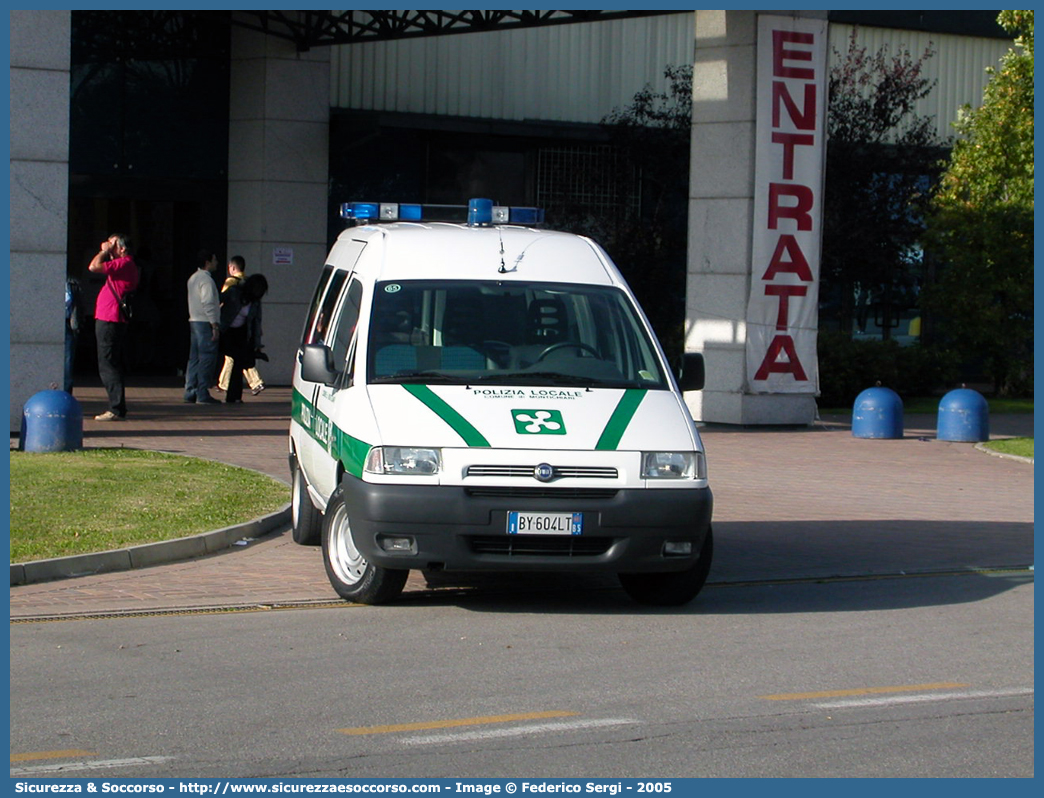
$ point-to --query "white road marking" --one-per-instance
(97, 764)
(518, 731)
(922, 698)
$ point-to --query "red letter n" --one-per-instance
(804, 119)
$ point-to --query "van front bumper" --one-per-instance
(455, 529)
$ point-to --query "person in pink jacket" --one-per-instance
(110, 325)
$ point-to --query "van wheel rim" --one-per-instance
(345, 558)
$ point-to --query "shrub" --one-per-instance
(847, 367)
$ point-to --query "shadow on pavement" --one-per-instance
(752, 551)
(782, 567)
(591, 596)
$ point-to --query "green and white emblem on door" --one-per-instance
(538, 422)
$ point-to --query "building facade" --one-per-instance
(249, 141)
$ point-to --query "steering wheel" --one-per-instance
(570, 344)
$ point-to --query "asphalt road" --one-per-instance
(926, 676)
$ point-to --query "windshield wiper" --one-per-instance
(417, 376)
(553, 378)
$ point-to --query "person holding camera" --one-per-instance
(114, 261)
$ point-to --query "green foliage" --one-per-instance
(847, 367)
(648, 243)
(880, 163)
(94, 500)
(982, 223)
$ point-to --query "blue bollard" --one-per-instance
(877, 413)
(52, 421)
(964, 415)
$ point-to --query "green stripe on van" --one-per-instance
(331, 438)
(620, 418)
(460, 425)
(350, 451)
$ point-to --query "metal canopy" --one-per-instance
(307, 29)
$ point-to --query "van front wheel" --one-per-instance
(671, 589)
(351, 575)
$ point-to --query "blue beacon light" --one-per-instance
(360, 211)
(480, 212)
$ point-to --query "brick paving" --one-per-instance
(790, 503)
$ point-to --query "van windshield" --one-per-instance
(469, 332)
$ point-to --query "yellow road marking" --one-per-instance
(35, 755)
(906, 688)
(449, 724)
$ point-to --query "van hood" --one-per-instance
(531, 417)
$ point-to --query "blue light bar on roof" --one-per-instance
(526, 216)
(478, 212)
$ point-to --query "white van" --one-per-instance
(488, 396)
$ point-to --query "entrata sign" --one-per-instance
(788, 210)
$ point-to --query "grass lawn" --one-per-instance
(91, 500)
(1023, 447)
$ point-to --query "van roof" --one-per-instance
(418, 251)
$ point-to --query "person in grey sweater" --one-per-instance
(204, 325)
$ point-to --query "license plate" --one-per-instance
(545, 523)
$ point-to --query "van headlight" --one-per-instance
(403, 460)
(674, 465)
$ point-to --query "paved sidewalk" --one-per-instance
(790, 503)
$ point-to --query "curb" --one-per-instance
(147, 554)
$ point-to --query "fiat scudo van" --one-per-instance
(487, 395)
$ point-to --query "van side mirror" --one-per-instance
(691, 375)
(317, 365)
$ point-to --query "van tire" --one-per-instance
(306, 522)
(671, 589)
(351, 575)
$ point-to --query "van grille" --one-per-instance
(557, 472)
(540, 545)
(497, 492)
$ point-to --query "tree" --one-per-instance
(880, 163)
(646, 231)
(981, 225)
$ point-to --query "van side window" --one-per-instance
(343, 331)
(313, 306)
(320, 330)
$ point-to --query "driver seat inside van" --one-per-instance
(546, 325)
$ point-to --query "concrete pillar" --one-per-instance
(40, 56)
(277, 186)
(721, 206)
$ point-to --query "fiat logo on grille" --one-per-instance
(544, 472)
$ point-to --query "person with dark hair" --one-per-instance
(236, 276)
(110, 323)
(204, 326)
(241, 330)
